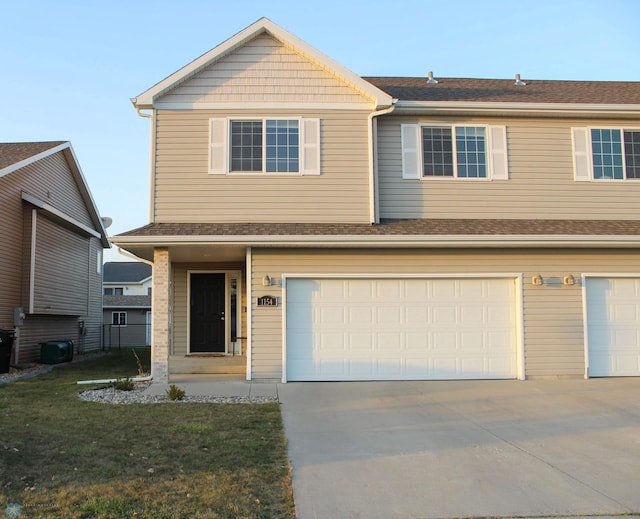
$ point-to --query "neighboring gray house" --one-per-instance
(127, 304)
(52, 239)
(326, 226)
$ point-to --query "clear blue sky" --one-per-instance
(69, 68)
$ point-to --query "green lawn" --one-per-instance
(63, 457)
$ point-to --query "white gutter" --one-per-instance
(461, 240)
(373, 168)
(550, 108)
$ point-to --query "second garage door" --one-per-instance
(613, 326)
(400, 329)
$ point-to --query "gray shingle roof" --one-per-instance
(126, 301)
(423, 227)
(13, 152)
(125, 271)
(505, 91)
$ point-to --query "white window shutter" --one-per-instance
(411, 163)
(218, 146)
(499, 155)
(310, 138)
(581, 158)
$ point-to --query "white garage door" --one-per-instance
(400, 329)
(613, 326)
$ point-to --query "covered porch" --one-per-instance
(199, 306)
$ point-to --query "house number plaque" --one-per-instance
(267, 301)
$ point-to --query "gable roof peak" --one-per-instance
(147, 99)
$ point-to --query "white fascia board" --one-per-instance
(263, 106)
(85, 192)
(147, 98)
(40, 204)
(418, 241)
(533, 108)
(33, 158)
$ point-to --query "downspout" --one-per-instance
(152, 157)
(373, 163)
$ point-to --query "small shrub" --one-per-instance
(124, 384)
(175, 393)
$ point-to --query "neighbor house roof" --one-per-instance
(125, 272)
(126, 302)
(506, 91)
(17, 155)
(14, 153)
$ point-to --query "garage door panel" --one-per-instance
(393, 329)
(613, 326)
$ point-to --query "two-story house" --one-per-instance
(329, 226)
(51, 243)
(126, 303)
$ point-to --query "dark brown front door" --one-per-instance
(207, 324)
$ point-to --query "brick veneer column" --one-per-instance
(161, 315)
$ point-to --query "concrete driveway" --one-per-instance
(465, 448)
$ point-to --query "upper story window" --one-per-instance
(271, 146)
(454, 151)
(265, 146)
(606, 153)
(113, 291)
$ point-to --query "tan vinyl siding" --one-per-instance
(264, 70)
(92, 338)
(58, 253)
(43, 328)
(186, 192)
(180, 300)
(541, 183)
(553, 318)
(11, 253)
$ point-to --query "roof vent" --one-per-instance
(519, 82)
(430, 79)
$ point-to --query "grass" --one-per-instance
(64, 457)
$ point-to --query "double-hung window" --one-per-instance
(606, 153)
(454, 151)
(119, 318)
(265, 146)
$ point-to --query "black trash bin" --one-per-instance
(6, 343)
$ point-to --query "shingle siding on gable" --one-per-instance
(186, 192)
(264, 70)
(541, 178)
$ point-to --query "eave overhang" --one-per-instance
(624, 111)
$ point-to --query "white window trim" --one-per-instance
(306, 150)
(126, 319)
(491, 150)
(589, 176)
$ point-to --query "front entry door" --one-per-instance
(208, 325)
